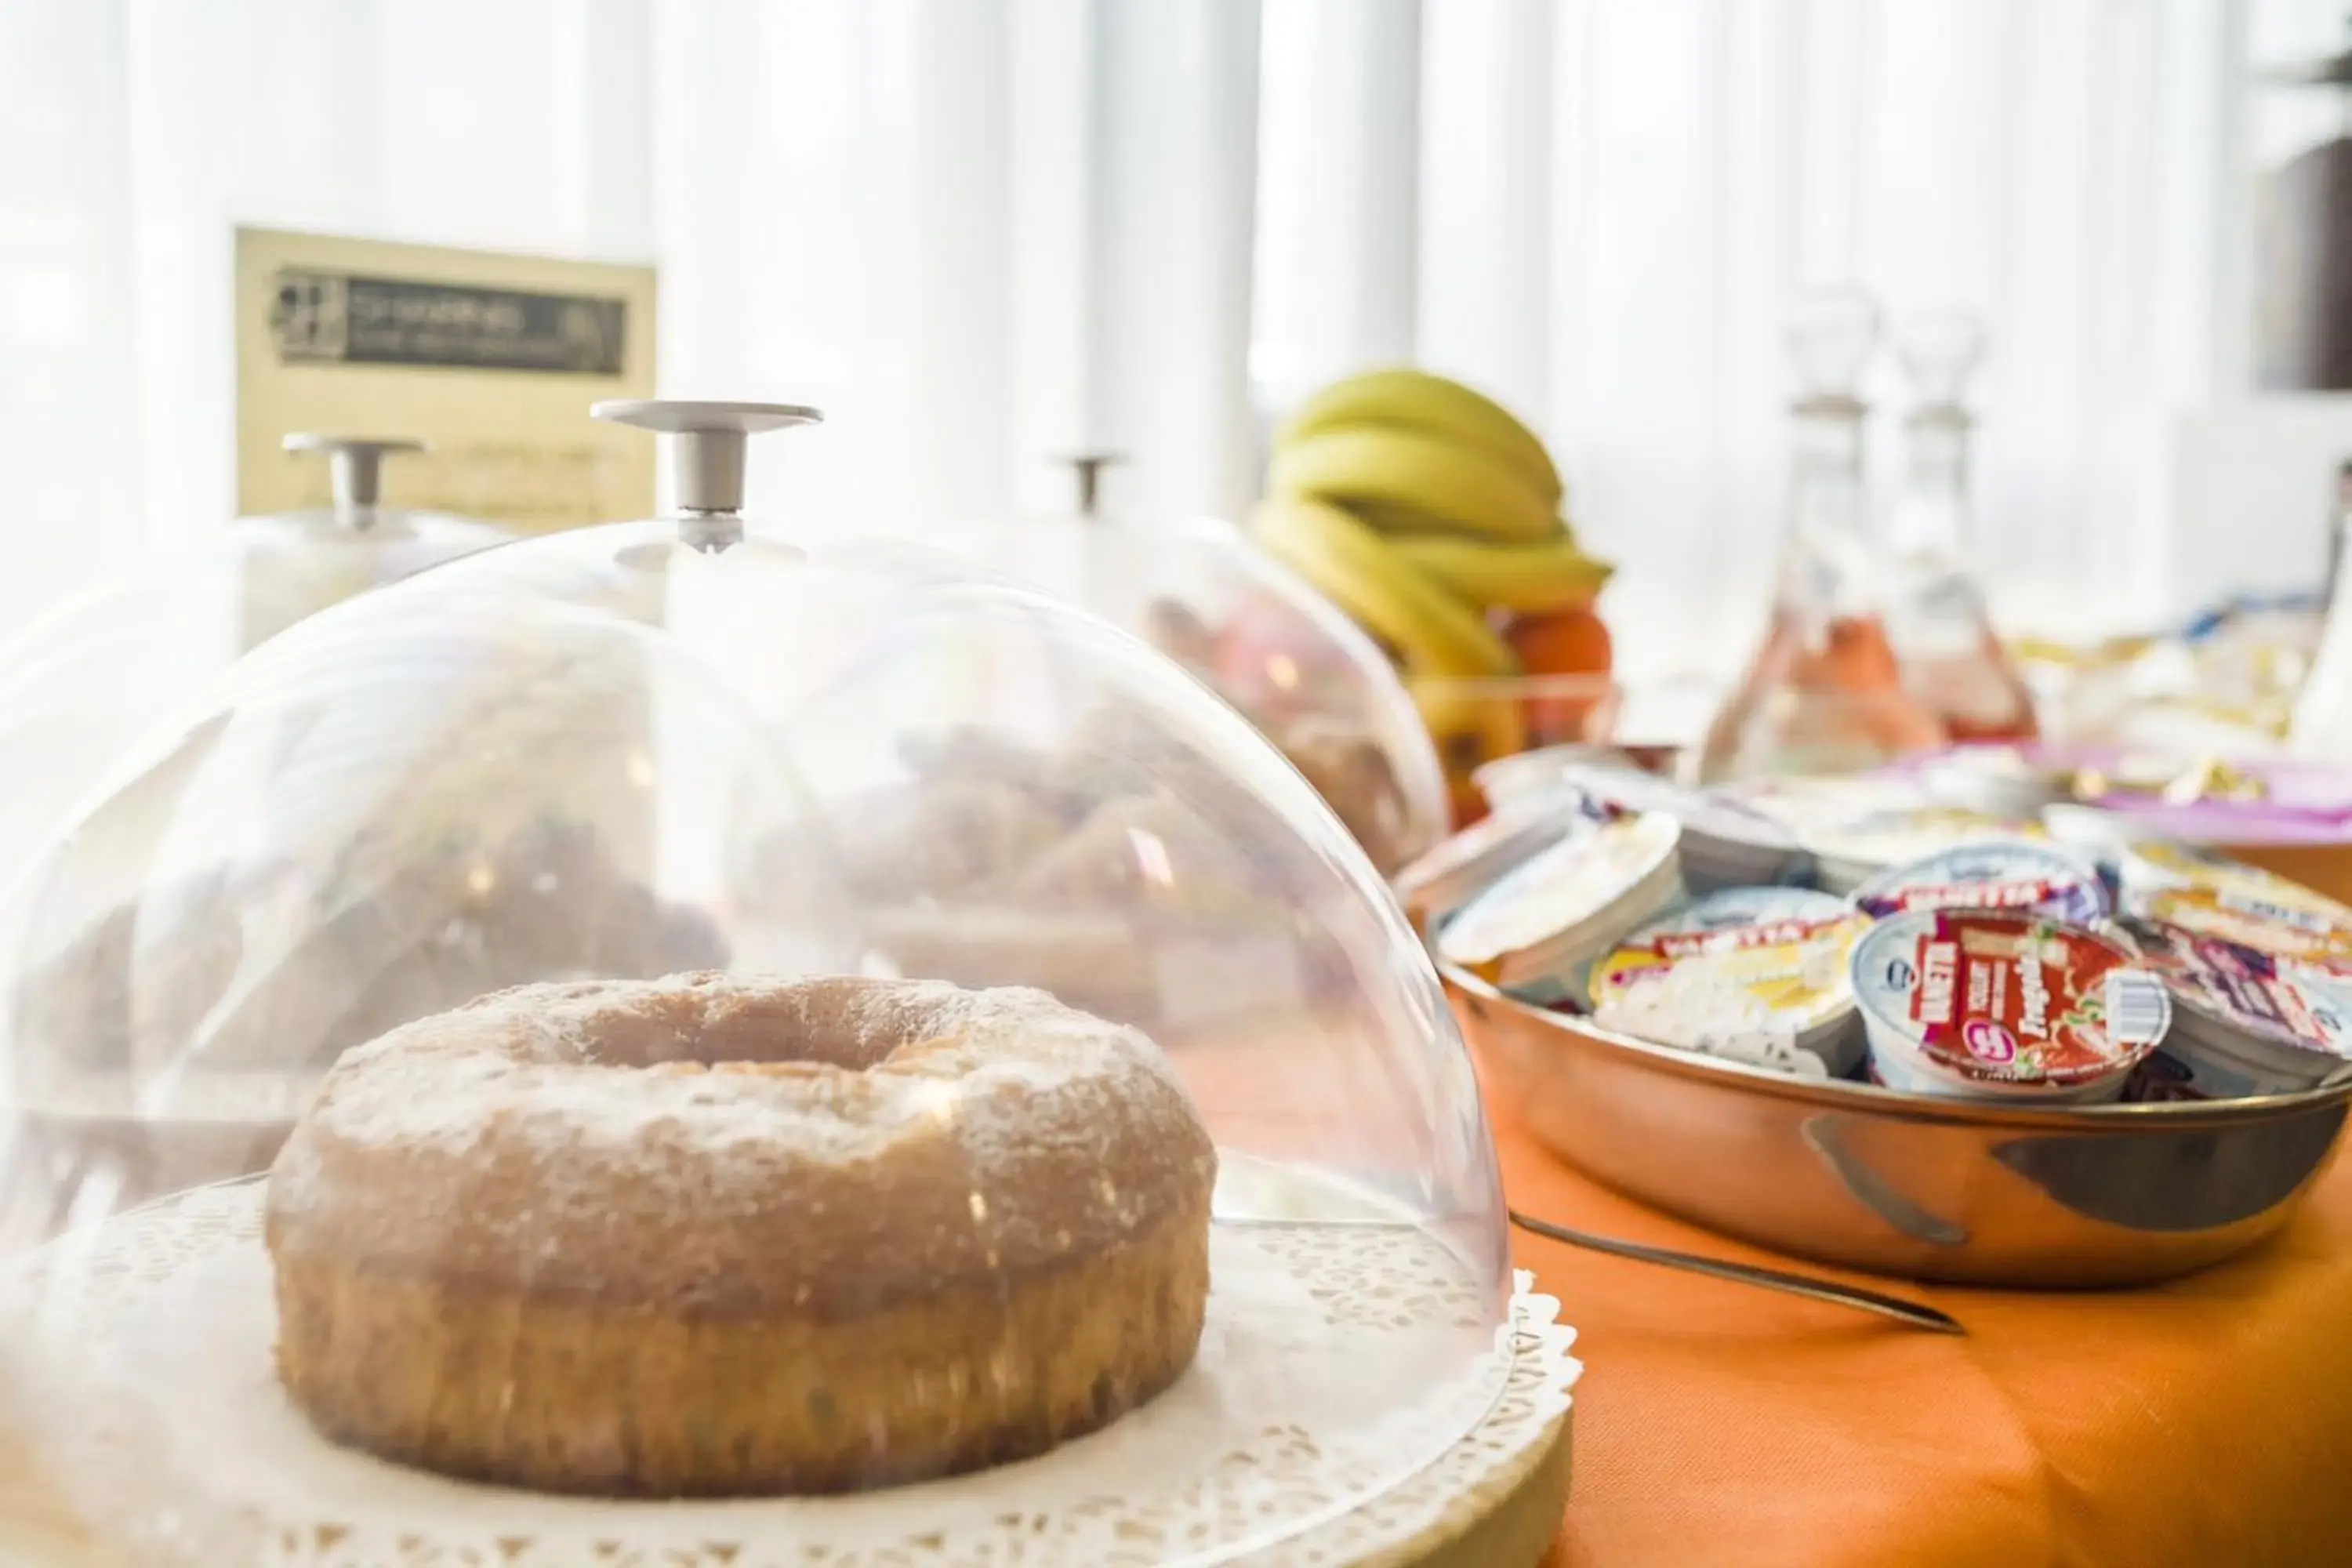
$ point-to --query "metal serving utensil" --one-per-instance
(1913, 1313)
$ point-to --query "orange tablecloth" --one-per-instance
(2207, 1421)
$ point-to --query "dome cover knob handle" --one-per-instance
(1089, 467)
(706, 456)
(354, 467)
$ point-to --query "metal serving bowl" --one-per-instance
(1902, 1184)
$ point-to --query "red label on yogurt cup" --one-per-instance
(1764, 933)
(1989, 1042)
(2010, 997)
(2026, 894)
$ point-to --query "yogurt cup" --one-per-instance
(2245, 1022)
(1537, 931)
(2207, 894)
(1999, 874)
(1850, 852)
(2161, 1078)
(2097, 837)
(1527, 774)
(1805, 804)
(1458, 868)
(1998, 1004)
(1856, 828)
(1999, 781)
(1725, 844)
(1752, 974)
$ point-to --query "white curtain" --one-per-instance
(134, 134)
(984, 232)
(981, 234)
(1616, 203)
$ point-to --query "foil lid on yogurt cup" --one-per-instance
(2000, 779)
(1855, 828)
(1458, 867)
(1859, 847)
(1726, 842)
(1718, 816)
(1998, 874)
(2241, 988)
(1752, 973)
(2206, 894)
(1802, 804)
(2009, 998)
(1555, 911)
(1538, 772)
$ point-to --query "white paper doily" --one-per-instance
(1347, 1394)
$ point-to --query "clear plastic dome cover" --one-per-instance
(663, 1036)
(91, 676)
(1244, 625)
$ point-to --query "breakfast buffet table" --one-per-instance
(2205, 1421)
(2208, 1420)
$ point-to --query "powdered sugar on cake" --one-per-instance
(553, 1100)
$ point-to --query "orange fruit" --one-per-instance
(1566, 643)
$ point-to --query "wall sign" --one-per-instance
(491, 359)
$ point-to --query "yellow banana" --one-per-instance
(1419, 401)
(1403, 521)
(1430, 629)
(1471, 721)
(1552, 576)
(1470, 490)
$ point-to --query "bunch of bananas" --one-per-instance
(1433, 518)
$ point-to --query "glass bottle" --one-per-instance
(1951, 660)
(1823, 692)
(2321, 726)
(2339, 518)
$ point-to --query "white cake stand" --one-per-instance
(1348, 1409)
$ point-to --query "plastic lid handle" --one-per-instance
(354, 467)
(709, 439)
